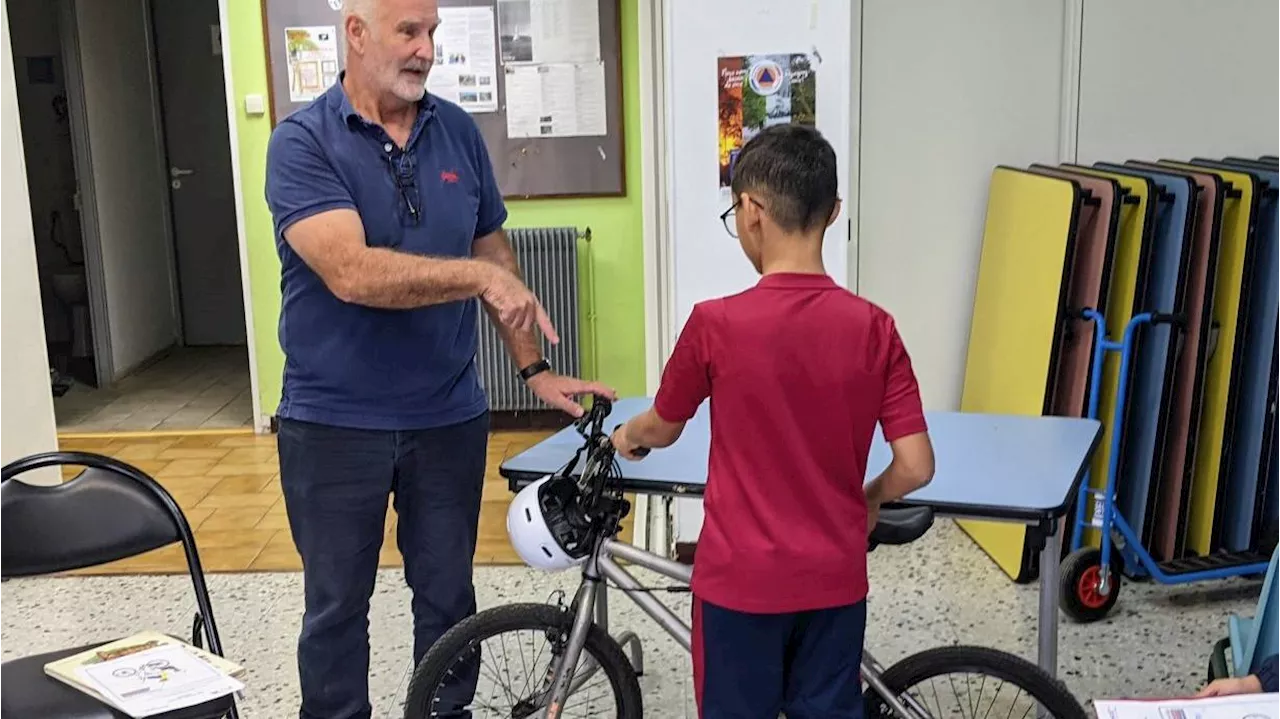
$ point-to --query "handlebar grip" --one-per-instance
(1171, 318)
(640, 451)
(602, 404)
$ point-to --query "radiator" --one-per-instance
(548, 258)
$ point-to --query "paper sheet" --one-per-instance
(158, 680)
(556, 100)
(1243, 706)
(313, 61)
(549, 31)
(566, 30)
(466, 66)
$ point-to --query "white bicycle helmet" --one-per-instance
(546, 525)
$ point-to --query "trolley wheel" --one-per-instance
(1080, 576)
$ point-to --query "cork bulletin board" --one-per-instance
(553, 122)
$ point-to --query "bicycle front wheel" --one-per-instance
(509, 654)
(973, 682)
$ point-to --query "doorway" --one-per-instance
(128, 155)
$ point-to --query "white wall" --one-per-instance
(26, 404)
(952, 89)
(128, 179)
(949, 90)
(1178, 78)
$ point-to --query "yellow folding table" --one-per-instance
(1029, 232)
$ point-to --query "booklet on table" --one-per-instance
(1239, 706)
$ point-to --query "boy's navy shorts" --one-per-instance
(757, 666)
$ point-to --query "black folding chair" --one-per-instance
(110, 511)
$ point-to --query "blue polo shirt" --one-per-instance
(349, 365)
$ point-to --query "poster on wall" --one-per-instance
(556, 100)
(313, 61)
(759, 91)
(466, 66)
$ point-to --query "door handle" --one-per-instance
(179, 172)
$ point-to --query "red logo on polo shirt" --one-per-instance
(449, 176)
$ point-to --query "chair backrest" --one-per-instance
(1253, 639)
(110, 511)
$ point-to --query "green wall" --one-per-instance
(614, 277)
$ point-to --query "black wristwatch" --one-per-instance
(535, 369)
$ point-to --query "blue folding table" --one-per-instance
(994, 467)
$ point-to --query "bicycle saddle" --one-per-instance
(901, 525)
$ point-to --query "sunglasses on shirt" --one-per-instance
(404, 171)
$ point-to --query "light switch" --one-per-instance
(254, 105)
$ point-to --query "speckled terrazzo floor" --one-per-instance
(941, 590)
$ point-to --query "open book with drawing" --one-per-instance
(148, 673)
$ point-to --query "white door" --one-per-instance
(820, 35)
(120, 172)
(707, 261)
(194, 107)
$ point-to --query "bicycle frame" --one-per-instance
(590, 605)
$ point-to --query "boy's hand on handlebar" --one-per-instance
(560, 391)
(624, 447)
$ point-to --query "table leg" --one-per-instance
(1050, 558)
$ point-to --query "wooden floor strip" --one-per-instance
(228, 485)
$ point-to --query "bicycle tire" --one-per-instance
(522, 617)
(1051, 693)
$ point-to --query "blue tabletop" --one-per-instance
(995, 466)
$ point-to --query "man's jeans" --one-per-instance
(336, 484)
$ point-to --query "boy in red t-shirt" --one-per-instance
(799, 372)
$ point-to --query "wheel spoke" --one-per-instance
(965, 673)
(968, 697)
(489, 658)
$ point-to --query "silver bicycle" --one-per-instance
(514, 661)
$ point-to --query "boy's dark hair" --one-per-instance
(793, 168)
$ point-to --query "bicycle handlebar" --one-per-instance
(591, 424)
(639, 451)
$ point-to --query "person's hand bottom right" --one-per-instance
(1230, 687)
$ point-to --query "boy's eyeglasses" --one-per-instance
(727, 217)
